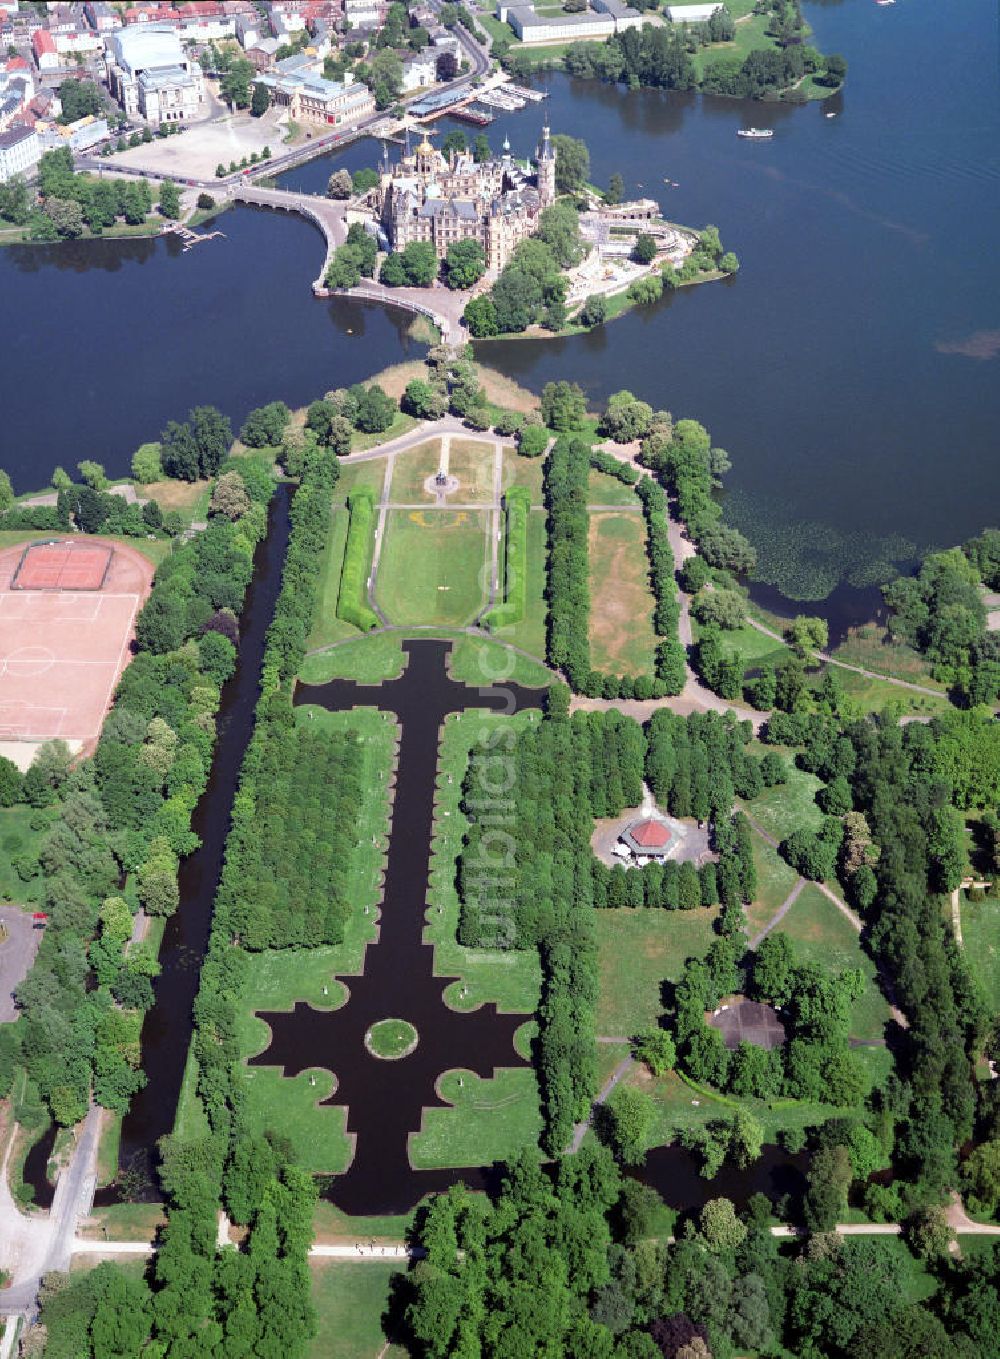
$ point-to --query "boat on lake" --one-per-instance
(755, 133)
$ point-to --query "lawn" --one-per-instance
(774, 882)
(871, 647)
(511, 979)
(17, 837)
(369, 660)
(487, 1121)
(190, 497)
(331, 1225)
(873, 695)
(822, 934)
(472, 461)
(360, 443)
(637, 951)
(622, 639)
(355, 474)
(755, 647)
(350, 1297)
(124, 1222)
(604, 489)
(518, 471)
(529, 633)
(482, 661)
(788, 806)
(434, 567)
(411, 469)
(327, 627)
(981, 936)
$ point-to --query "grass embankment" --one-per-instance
(433, 568)
(278, 979)
(327, 627)
(486, 1120)
(511, 980)
(622, 639)
(981, 937)
(369, 660)
(788, 806)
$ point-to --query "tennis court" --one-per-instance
(67, 615)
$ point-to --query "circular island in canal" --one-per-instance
(391, 1039)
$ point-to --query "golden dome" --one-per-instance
(425, 148)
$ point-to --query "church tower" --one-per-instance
(546, 160)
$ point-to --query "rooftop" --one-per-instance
(14, 136)
(649, 834)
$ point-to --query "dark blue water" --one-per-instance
(852, 369)
(105, 341)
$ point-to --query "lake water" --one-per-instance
(851, 369)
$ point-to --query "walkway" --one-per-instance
(602, 1096)
(19, 942)
(441, 305)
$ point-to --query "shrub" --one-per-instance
(517, 504)
(146, 463)
(352, 600)
(532, 441)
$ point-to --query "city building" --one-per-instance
(692, 14)
(311, 98)
(426, 197)
(152, 77)
(606, 18)
(102, 17)
(82, 135)
(17, 89)
(78, 39)
(20, 152)
(419, 70)
(43, 45)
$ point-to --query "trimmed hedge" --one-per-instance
(517, 505)
(566, 483)
(613, 467)
(666, 615)
(352, 601)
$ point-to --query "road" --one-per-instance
(33, 1245)
(17, 953)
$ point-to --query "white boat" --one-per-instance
(830, 115)
(755, 133)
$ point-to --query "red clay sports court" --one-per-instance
(67, 618)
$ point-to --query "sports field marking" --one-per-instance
(28, 661)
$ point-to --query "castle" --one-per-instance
(427, 197)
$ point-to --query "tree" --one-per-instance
(644, 249)
(179, 452)
(631, 1117)
(720, 1226)
(79, 99)
(212, 435)
(15, 201)
(572, 163)
(615, 191)
(205, 202)
(423, 400)
(234, 87)
(466, 263)
(261, 101)
(146, 463)
(66, 215)
(386, 78)
(340, 184)
(170, 199)
(454, 142)
(363, 180)
(480, 316)
(375, 410)
(92, 474)
(594, 311)
(564, 405)
(481, 150)
(230, 497)
(729, 263)
(655, 1047)
(11, 783)
(829, 1178)
(807, 634)
(265, 427)
(835, 69)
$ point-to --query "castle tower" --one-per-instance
(546, 160)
